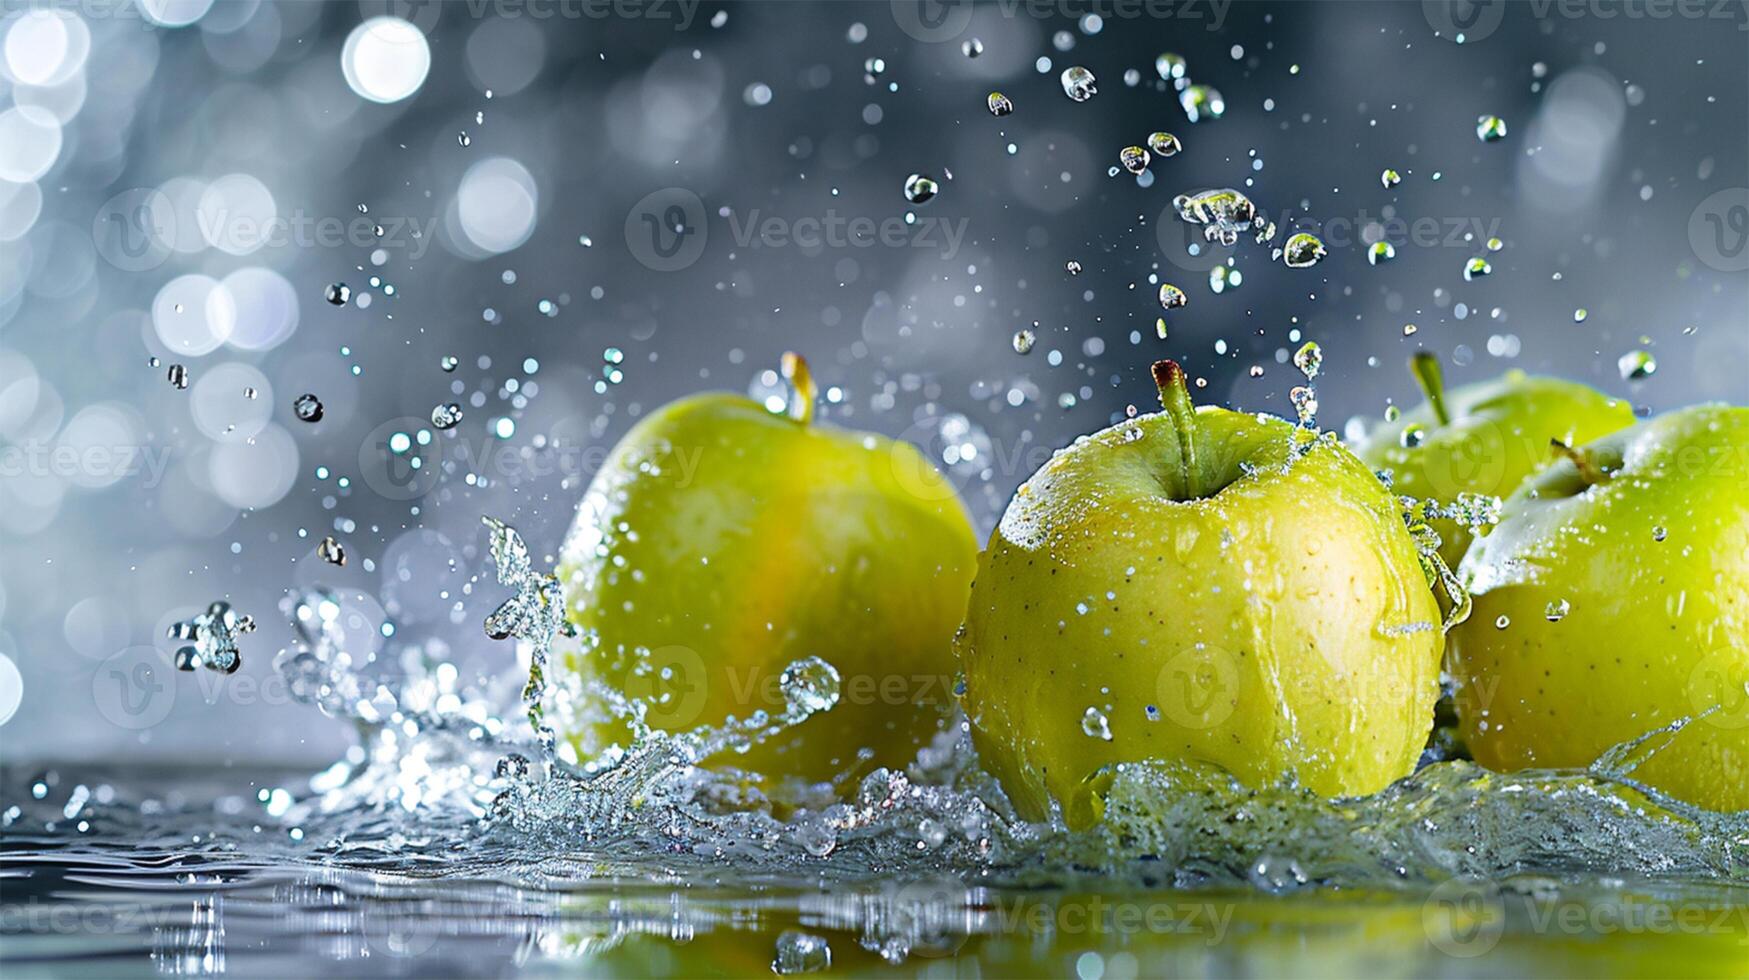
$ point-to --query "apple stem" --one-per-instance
(1175, 399)
(1588, 470)
(802, 387)
(1425, 366)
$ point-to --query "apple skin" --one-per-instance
(722, 542)
(1498, 434)
(1280, 624)
(1654, 631)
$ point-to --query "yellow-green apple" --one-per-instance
(1199, 585)
(1483, 438)
(721, 542)
(1612, 600)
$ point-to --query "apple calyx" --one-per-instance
(802, 388)
(1425, 367)
(1588, 469)
(1175, 399)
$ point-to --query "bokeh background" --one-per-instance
(594, 208)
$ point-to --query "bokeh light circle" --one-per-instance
(255, 473)
(193, 315)
(496, 204)
(385, 59)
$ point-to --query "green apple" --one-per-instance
(1206, 586)
(1483, 438)
(721, 542)
(1613, 599)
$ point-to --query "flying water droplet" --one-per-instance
(338, 293)
(1414, 434)
(1078, 83)
(1023, 341)
(1476, 268)
(919, 189)
(177, 375)
(446, 416)
(1557, 610)
(1637, 365)
(1094, 724)
(1072, 267)
(308, 408)
(1164, 144)
(1201, 102)
(331, 551)
(1390, 178)
(449, 363)
(1309, 359)
(1305, 402)
(1133, 158)
(1380, 253)
(1490, 129)
(1223, 278)
(1169, 66)
(800, 952)
(809, 685)
(1302, 251)
(971, 47)
(1171, 297)
(1223, 212)
(1000, 105)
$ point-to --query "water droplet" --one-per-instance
(971, 47)
(1392, 413)
(874, 68)
(177, 375)
(1095, 725)
(1309, 359)
(1172, 298)
(1490, 128)
(1160, 327)
(463, 139)
(1305, 402)
(1202, 102)
(1302, 251)
(1133, 158)
(1072, 267)
(1414, 434)
(1223, 211)
(446, 416)
(1023, 341)
(1164, 144)
(308, 408)
(331, 551)
(1000, 105)
(1410, 329)
(809, 685)
(1658, 533)
(1495, 244)
(338, 293)
(1223, 278)
(800, 952)
(449, 363)
(1390, 178)
(1637, 365)
(1502, 622)
(1580, 314)
(1169, 66)
(919, 189)
(1078, 83)
(1380, 253)
(1557, 610)
(1476, 268)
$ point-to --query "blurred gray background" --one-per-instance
(500, 182)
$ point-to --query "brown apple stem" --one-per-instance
(802, 388)
(1425, 366)
(1175, 399)
(1588, 470)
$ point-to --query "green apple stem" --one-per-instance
(1175, 399)
(1589, 471)
(1425, 366)
(801, 382)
